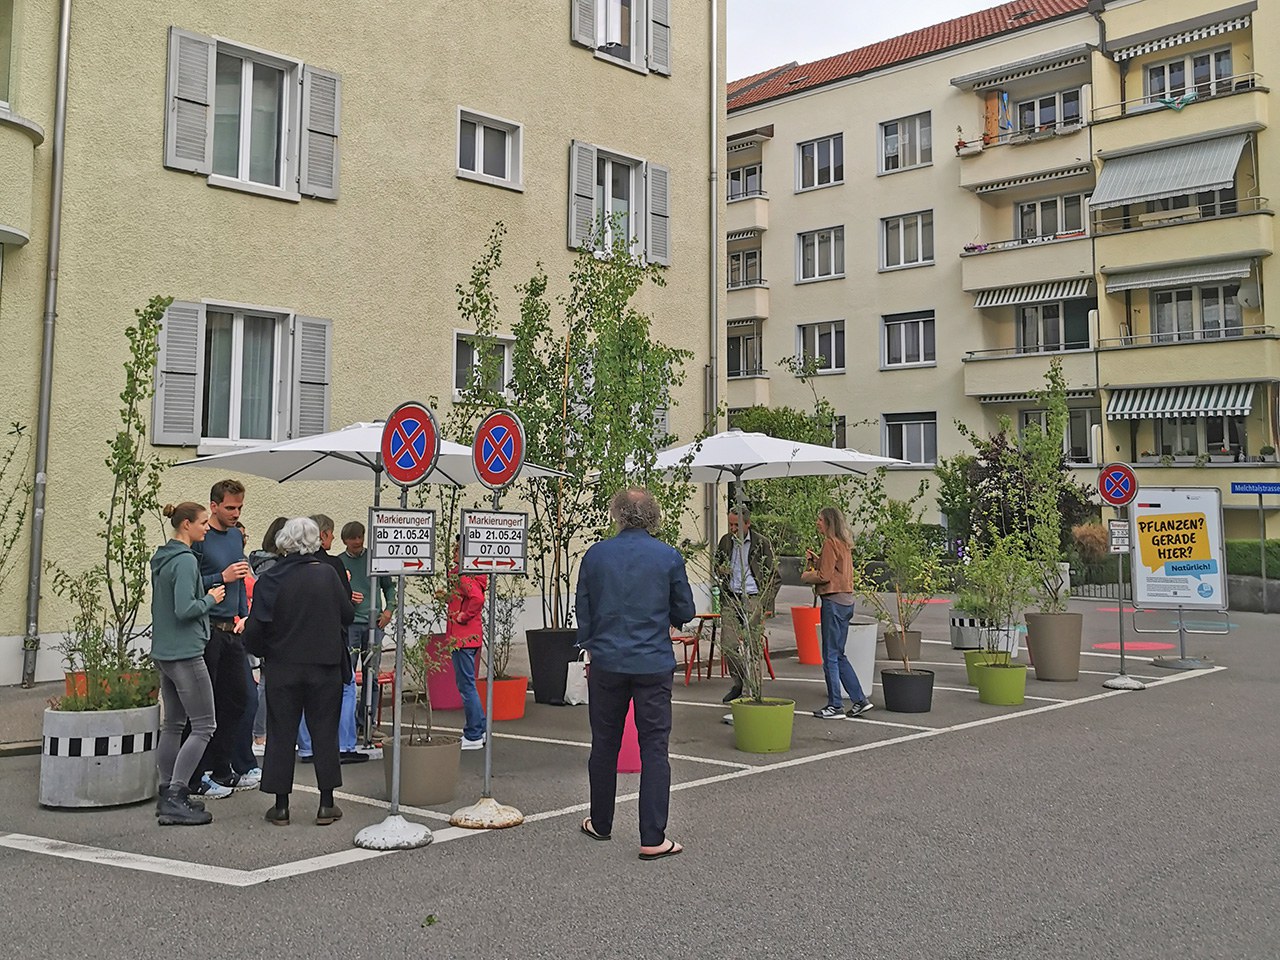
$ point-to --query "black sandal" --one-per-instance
(670, 850)
(590, 831)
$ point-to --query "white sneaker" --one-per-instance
(250, 779)
(212, 789)
(473, 744)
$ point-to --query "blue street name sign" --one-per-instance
(1256, 488)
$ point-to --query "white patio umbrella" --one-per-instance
(734, 455)
(347, 454)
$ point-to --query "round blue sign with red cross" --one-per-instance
(410, 444)
(1117, 484)
(498, 453)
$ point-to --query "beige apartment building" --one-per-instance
(935, 217)
(309, 182)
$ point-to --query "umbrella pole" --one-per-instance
(373, 653)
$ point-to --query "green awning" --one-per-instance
(1205, 400)
(1172, 172)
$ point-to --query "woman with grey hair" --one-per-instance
(299, 610)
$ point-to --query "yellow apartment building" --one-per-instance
(309, 182)
(937, 216)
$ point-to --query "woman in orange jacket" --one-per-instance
(464, 632)
(831, 574)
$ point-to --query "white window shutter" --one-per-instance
(582, 194)
(583, 27)
(660, 36)
(657, 213)
(312, 352)
(175, 408)
(188, 124)
(321, 113)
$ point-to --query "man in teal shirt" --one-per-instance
(356, 562)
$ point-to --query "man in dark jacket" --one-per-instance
(632, 589)
(748, 589)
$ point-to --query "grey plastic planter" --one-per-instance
(99, 758)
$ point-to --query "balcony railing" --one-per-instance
(1215, 210)
(1023, 352)
(746, 195)
(1019, 242)
(1187, 336)
(744, 284)
(1047, 131)
(749, 371)
(1213, 90)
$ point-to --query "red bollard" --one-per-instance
(629, 753)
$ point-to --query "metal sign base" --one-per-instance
(487, 814)
(1183, 663)
(394, 833)
(1124, 682)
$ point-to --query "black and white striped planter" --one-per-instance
(99, 758)
(966, 633)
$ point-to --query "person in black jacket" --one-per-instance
(299, 609)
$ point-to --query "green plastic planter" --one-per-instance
(1000, 685)
(972, 660)
(763, 726)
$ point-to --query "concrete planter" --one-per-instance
(1053, 640)
(966, 632)
(99, 758)
(428, 771)
(893, 644)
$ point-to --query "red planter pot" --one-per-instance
(508, 697)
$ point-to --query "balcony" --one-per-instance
(748, 212)
(1029, 260)
(748, 390)
(1185, 235)
(994, 372)
(747, 299)
(19, 138)
(1022, 154)
(1242, 104)
(1148, 360)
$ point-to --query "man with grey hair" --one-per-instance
(632, 588)
(747, 570)
(348, 735)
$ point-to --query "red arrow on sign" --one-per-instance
(416, 564)
(489, 562)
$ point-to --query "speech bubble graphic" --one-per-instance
(1176, 539)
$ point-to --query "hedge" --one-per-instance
(1243, 559)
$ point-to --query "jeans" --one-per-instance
(358, 642)
(835, 665)
(464, 675)
(346, 724)
(608, 697)
(185, 692)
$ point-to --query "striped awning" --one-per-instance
(1178, 39)
(1030, 397)
(1035, 293)
(742, 235)
(1034, 178)
(1187, 275)
(1205, 400)
(1171, 172)
(1030, 67)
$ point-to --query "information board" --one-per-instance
(402, 541)
(494, 542)
(1178, 557)
(1118, 536)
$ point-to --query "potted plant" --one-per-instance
(429, 761)
(1267, 452)
(602, 439)
(913, 572)
(760, 724)
(999, 582)
(1053, 634)
(111, 684)
(509, 692)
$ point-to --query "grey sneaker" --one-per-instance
(212, 789)
(828, 713)
(858, 709)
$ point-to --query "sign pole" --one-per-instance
(1262, 551)
(1123, 681)
(497, 455)
(373, 655)
(397, 707)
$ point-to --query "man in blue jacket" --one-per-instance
(632, 589)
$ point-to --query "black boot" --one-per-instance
(733, 694)
(175, 810)
(194, 802)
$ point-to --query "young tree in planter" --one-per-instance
(999, 582)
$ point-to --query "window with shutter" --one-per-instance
(312, 351)
(321, 110)
(175, 408)
(582, 194)
(188, 132)
(660, 36)
(658, 214)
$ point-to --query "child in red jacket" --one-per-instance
(465, 635)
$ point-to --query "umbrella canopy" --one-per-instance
(347, 454)
(758, 456)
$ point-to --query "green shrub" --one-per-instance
(1243, 559)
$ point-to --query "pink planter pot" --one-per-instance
(441, 686)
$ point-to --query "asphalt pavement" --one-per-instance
(1085, 824)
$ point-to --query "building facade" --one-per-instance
(310, 187)
(935, 217)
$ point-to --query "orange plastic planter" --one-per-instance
(508, 697)
(808, 639)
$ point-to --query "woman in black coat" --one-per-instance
(299, 611)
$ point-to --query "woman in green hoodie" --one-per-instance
(179, 632)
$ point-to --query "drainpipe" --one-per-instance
(713, 323)
(31, 642)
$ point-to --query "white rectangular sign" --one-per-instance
(494, 542)
(1178, 556)
(1118, 536)
(402, 542)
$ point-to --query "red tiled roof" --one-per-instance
(736, 85)
(910, 46)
